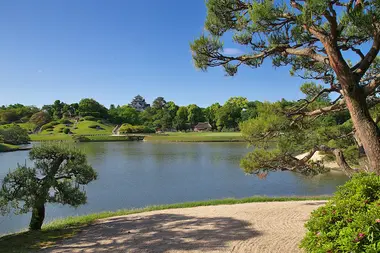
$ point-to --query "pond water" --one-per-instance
(137, 174)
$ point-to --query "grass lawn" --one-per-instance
(65, 228)
(197, 137)
(50, 137)
(84, 129)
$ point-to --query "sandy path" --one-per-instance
(254, 227)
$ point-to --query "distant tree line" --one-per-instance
(161, 114)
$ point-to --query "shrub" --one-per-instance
(66, 130)
(89, 118)
(350, 221)
(228, 130)
(24, 119)
(149, 130)
(14, 135)
(80, 138)
(128, 128)
(49, 125)
(65, 121)
(94, 126)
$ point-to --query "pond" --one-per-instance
(137, 174)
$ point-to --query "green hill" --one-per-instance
(56, 131)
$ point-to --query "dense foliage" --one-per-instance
(323, 41)
(350, 221)
(90, 107)
(56, 177)
(16, 113)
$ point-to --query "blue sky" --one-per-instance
(112, 50)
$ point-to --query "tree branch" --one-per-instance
(308, 102)
(63, 177)
(338, 107)
(366, 62)
(372, 86)
(309, 52)
(340, 159)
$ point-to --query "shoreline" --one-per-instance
(172, 137)
(7, 148)
(15, 150)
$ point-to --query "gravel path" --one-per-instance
(254, 227)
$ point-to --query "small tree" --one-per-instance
(56, 178)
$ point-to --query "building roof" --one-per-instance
(203, 125)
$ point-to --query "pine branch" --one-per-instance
(365, 63)
(372, 86)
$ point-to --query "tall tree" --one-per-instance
(240, 102)
(181, 118)
(310, 37)
(159, 103)
(195, 114)
(169, 112)
(228, 117)
(251, 111)
(128, 114)
(58, 109)
(56, 178)
(210, 114)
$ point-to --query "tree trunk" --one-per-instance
(38, 216)
(355, 97)
(366, 129)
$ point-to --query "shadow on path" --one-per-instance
(158, 233)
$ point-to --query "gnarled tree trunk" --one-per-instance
(366, 129)
(355, 99)
(38, 216)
